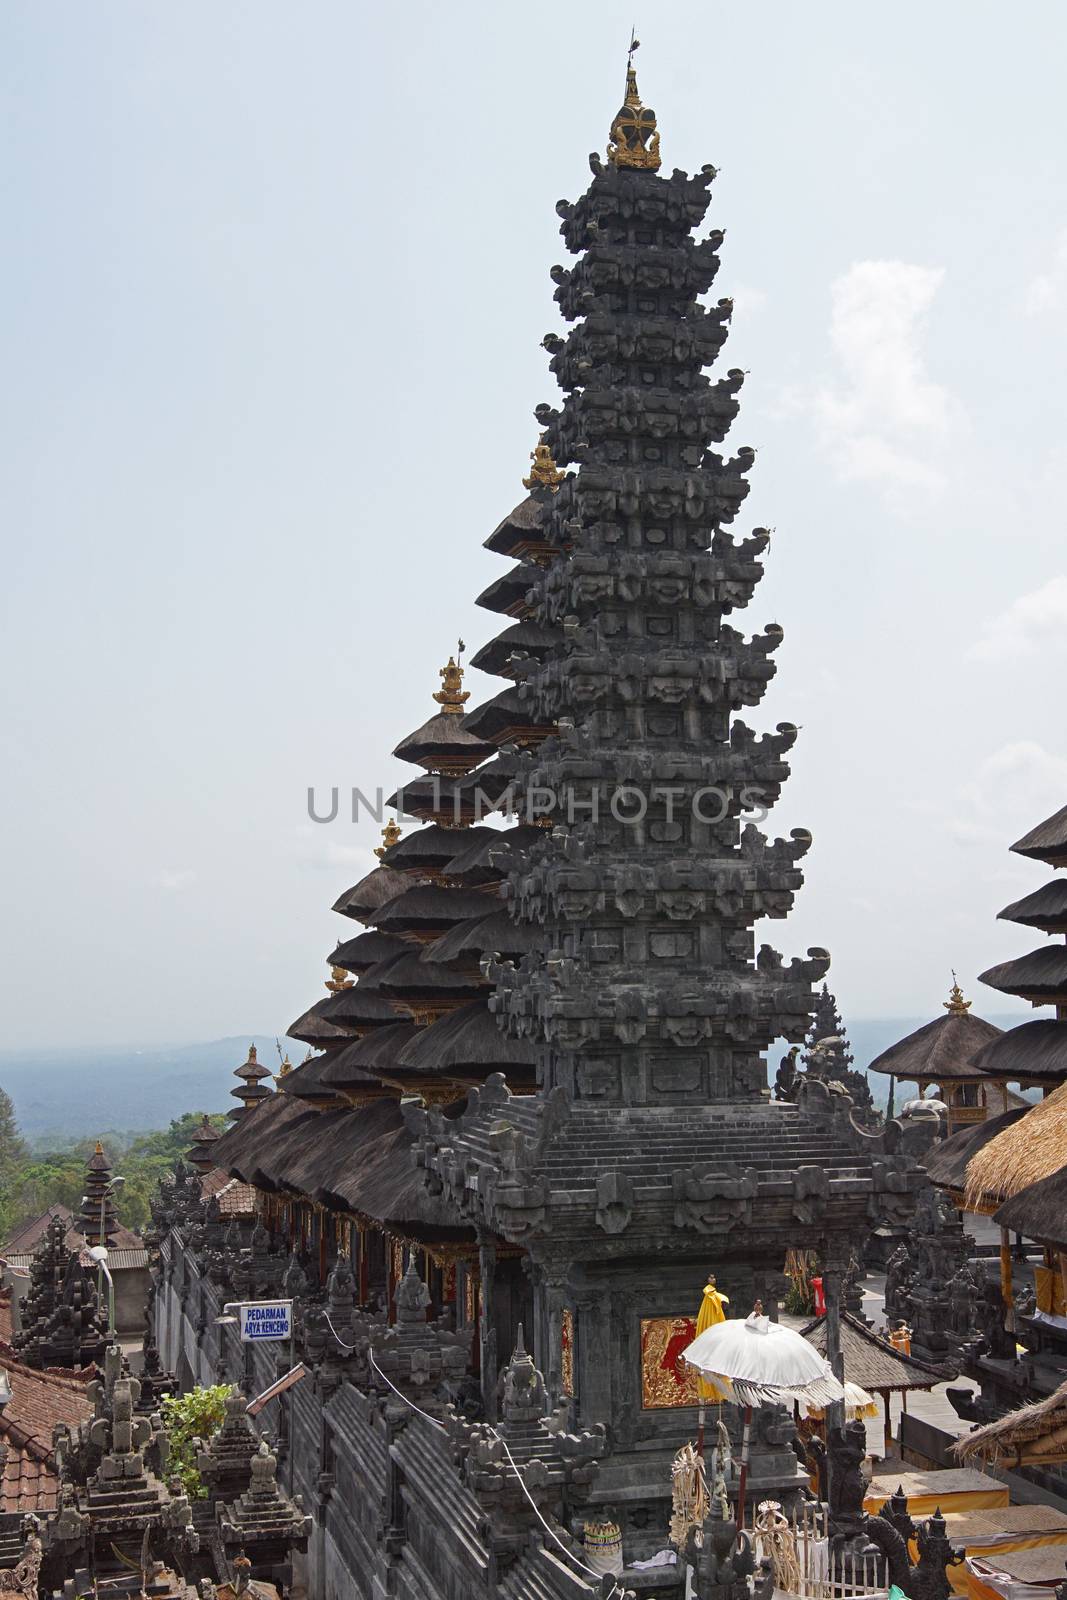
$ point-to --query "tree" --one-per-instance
(13, 1153)
(187, 1418)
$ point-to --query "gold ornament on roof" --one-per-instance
(956, 1005)
(251, 1054)
(634, 137)
(339, 980)
(452, 696)
(390, 836)
(544, 474)
(285, 1068)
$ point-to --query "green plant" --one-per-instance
(187, 1417)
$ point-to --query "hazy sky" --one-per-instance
(273, 290)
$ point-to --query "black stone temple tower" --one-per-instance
(651, 1152)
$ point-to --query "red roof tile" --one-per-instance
(39, 1402)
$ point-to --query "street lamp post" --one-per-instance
(99, 1254)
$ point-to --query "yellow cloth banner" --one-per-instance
(711, 1312)
(1049, 1286)
(969, 1586)
(924, 1505)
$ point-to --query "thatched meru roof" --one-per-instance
(522, 638)
(519, 529)
(508, 592)
(1033, 1050)
(366, 950)
(1033, 1148)
(490, 860)
(496, 934)
(946, 1165)
(364, 898)
(433, 847)
(1047, 842)
(1045, 908)
(939, 1051)
(870, 1360)
(468, 1040)
(1039, 1211)
(1032, 1436)
(1040, 976)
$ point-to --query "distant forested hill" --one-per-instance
(80, 1092)
(83, 1092)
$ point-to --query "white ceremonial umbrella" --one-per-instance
(766, 1365)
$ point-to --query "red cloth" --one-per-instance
(820, 1298)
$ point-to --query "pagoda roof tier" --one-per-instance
(1047, 842)
(497, 934)
(468, 1043)
(357, 1160)
(705, 491)
(503, 655)
(508, 593)
(726, 575)
(430, 909)
(608, 271)
(418, 984)
(366, 950)
(315, 1029)
(1034, 1052)
(444, 744)
(748, 759)
(586, 679)
(364, 898)
(508, 718)
(452, 802)
(620, 198)
(1039, 1211)
(371, 981)
(870, 1360)
(1040, 976)
(518, 535)
(307, 1082)
(946, 1163)
(352, 1069)
(941, 1051)
(734, 1004)
(357, 1008)
(1045, 908)
(490, 860)
(430, 849)
(612, 350)
(758, 881)
(614, 1186)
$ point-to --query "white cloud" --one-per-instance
(315, 848)
(170, 879)
(1035, 622)
(747, 299)
(1048, 291)
(882, 416)
(1013, 789)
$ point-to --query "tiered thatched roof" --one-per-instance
(1032, 1436)
(1031, 1149)
(1039, 1212)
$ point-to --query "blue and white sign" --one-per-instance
(265, 1320)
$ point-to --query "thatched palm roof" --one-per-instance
(1032, 1436)
(366, 950)
(1047, 842)
(522, 638)
(467, 1041)
(1040, 976)
(519, 530)
(939, 1051)
(1039, 1211)
(431, 847)
(1033, 1050)
(488, 860)
(1045, 908)
(1033, 1148)
(364, 898)
(498, 934)
(946, 1164)
(508, 592)
(872, 1361)
(444, 742)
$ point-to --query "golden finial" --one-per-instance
(286, 1067)
(99, 1149)
(339, 980)
(634, 137)
(452, 696)
(252, 1056)
(544, 473)
(956, 1005)
(390, 836)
